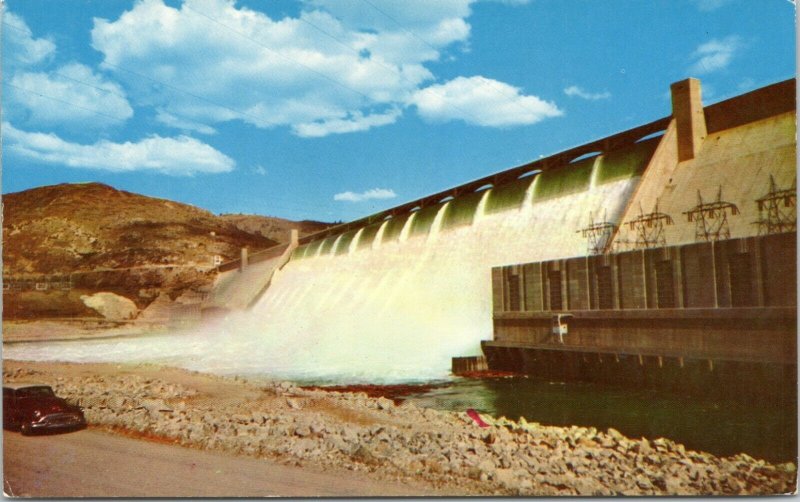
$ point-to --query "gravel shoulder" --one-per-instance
(422, 450)
(95, 463)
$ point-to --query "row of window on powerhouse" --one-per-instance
(757, 271)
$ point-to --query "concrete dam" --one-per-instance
(396, 295)
(406, 289)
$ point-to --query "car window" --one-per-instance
(35, 392)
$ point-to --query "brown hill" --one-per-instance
(71, 227)
(273, 228)
(102, 239)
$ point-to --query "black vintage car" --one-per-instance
(29, 408)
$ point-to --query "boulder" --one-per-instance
(111, 306)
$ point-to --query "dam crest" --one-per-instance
(395, 295)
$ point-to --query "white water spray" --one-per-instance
(376, 243)
(355, 241)
(394, 311)
(336, 245)
(407, 227)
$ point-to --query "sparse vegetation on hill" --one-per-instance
(72, 227)
(106, 239)
(273, 228)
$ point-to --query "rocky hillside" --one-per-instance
(276, 229)
(71, 227)
(111, 240)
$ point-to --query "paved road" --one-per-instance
(92, 463)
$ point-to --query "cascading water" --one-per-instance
(355, 241)
(379, 236)
(336, 244)
(480, 211)
(407, 227)
(436, 227)
(396, 307)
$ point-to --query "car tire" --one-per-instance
(25, 429)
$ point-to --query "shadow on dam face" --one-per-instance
(395, 300)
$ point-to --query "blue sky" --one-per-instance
(335, 109)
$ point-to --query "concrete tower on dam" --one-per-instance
(670, 244)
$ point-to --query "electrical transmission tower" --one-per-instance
(598, 234)
(649, 228)
(776, 210)
(711, 218)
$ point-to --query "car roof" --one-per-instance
(22, 385)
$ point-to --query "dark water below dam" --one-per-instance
(766, 430)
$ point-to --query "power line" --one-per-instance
(196, 96)
(106, 63)
(485, 80)
(90, 85)
(331, 79)
(65, 102)
(440, 92)
(177, 89)
(318, 73)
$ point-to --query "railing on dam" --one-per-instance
(267, 254)
(604, 145)
(770, 100)
(496, 180)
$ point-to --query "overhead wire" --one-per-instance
(287, 58)
(284, 203)
(65, 102)
(413, 34)
(283, 56)
(440, 92)
(169, 86)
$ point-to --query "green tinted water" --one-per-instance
(461, 210)
(626, 163)
(344, 243)
(312, 248)
(300, 252)
(508, 196)
(394, 228)
(424, 219)
(564, 180)
(327, 245)
(368, 235)
(765, 429)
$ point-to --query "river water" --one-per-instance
(723, 427)
(765, 429)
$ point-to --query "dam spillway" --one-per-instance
(391, 301)
(393, 296)
(413, 291)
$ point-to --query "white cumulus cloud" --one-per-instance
(72, 94)
(576, 91)
(20, 47)
(185, 125)
(339, 66)
(375, 193)
(481, 101)
(180, 156)
(715, 54)
(357, 122)
(311, 73)
(414, 25)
